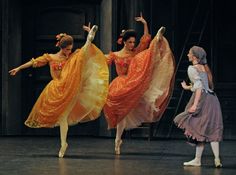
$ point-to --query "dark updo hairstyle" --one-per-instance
(64, 40)
(129, 33)
(125, 35)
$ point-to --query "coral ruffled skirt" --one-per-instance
(143, 94)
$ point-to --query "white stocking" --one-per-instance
(215, 149)
(199, 150)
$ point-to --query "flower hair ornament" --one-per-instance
(59, 37)
(120, 39)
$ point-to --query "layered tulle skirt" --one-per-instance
(79, 94)
(143, 94)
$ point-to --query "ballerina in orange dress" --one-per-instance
(142, 89)
(77, 91)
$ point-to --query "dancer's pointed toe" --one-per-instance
(62, 150)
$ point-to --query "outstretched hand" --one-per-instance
(14, 71)
(87, 28)
(140, 18)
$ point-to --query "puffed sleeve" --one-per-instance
(110, 58)
(144, 43)
(194, 78)
(40, 61)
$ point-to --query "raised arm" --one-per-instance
(87, 28)
(146, 38)
(145, 26)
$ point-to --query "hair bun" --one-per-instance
(60, 36)
(63, 40)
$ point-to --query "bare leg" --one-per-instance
(198, 155)
(215, 150)
(119, 131)
(63, 135)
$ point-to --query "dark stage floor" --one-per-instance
(88, 155)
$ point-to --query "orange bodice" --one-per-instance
(122, 62)
(77, 91)
(56, 64)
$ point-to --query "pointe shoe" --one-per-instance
(117, 146)
(218, 164)
(160, 33)
(62, 150)
(193, 162)
(161, 30)
(92, 33)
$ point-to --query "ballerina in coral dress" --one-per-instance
(142, 89)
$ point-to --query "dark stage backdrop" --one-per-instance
(41, 21)
(33, 26)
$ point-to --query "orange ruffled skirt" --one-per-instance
(79, 94)
(143, 94)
